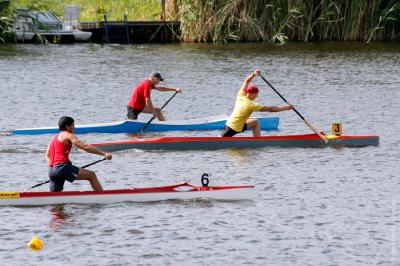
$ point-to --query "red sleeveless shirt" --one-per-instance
(139, 95)
(59, 151)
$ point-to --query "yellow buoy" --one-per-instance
(35, 243)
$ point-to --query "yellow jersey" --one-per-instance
(244, 107)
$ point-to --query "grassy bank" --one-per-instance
(294, 20)
(245, 20)
(95, 9)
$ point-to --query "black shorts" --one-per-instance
(229, 132)
(59, 173)
(133, 113)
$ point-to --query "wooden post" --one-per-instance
(163, 9)
(106, 28)
(127, 28)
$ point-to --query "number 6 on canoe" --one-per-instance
(294, 109)
(148, 123)
(85, 166)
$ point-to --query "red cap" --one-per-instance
(251, 89)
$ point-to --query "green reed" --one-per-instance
(248, 20)
(283, 20)
(6, 20)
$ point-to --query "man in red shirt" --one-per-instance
(57, 156)
(140, 100)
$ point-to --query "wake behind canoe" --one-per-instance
(132, 126)
(214, 143)
(182, 191)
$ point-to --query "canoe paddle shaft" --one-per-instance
(162, 107)
(85, 166)
(93, 163)
(297, 112)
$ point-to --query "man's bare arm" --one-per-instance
(276, 108)
(87, 147)
(250, 78)
(167, 89)
(48, 154)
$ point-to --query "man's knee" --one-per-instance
(92, 176)
(87, 175)
(253, 123)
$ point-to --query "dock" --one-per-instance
(126, 32)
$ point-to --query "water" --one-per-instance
(312, 206)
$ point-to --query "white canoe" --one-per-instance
(182, 191)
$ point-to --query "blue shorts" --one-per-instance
(59, 173)
(133, 113)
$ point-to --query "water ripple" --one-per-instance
(334, 206)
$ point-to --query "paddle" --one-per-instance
(294, 109)
(148, 123)
(85, 166)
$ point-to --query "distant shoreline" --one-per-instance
(243, 21)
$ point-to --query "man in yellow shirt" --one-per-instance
(245, 105)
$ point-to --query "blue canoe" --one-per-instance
(267, 123)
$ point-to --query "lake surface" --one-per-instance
(312, 206)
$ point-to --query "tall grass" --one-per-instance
(6, 19)
(283, 20)
(246, 20)
(95, 9)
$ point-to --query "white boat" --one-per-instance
(30, 24)
(182, 191)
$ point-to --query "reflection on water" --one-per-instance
(241, 153)
(59, 216)
(242, 156)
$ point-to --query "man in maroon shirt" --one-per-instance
(141, 101)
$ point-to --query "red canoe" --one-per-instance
(182, 191)
(214, 143)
